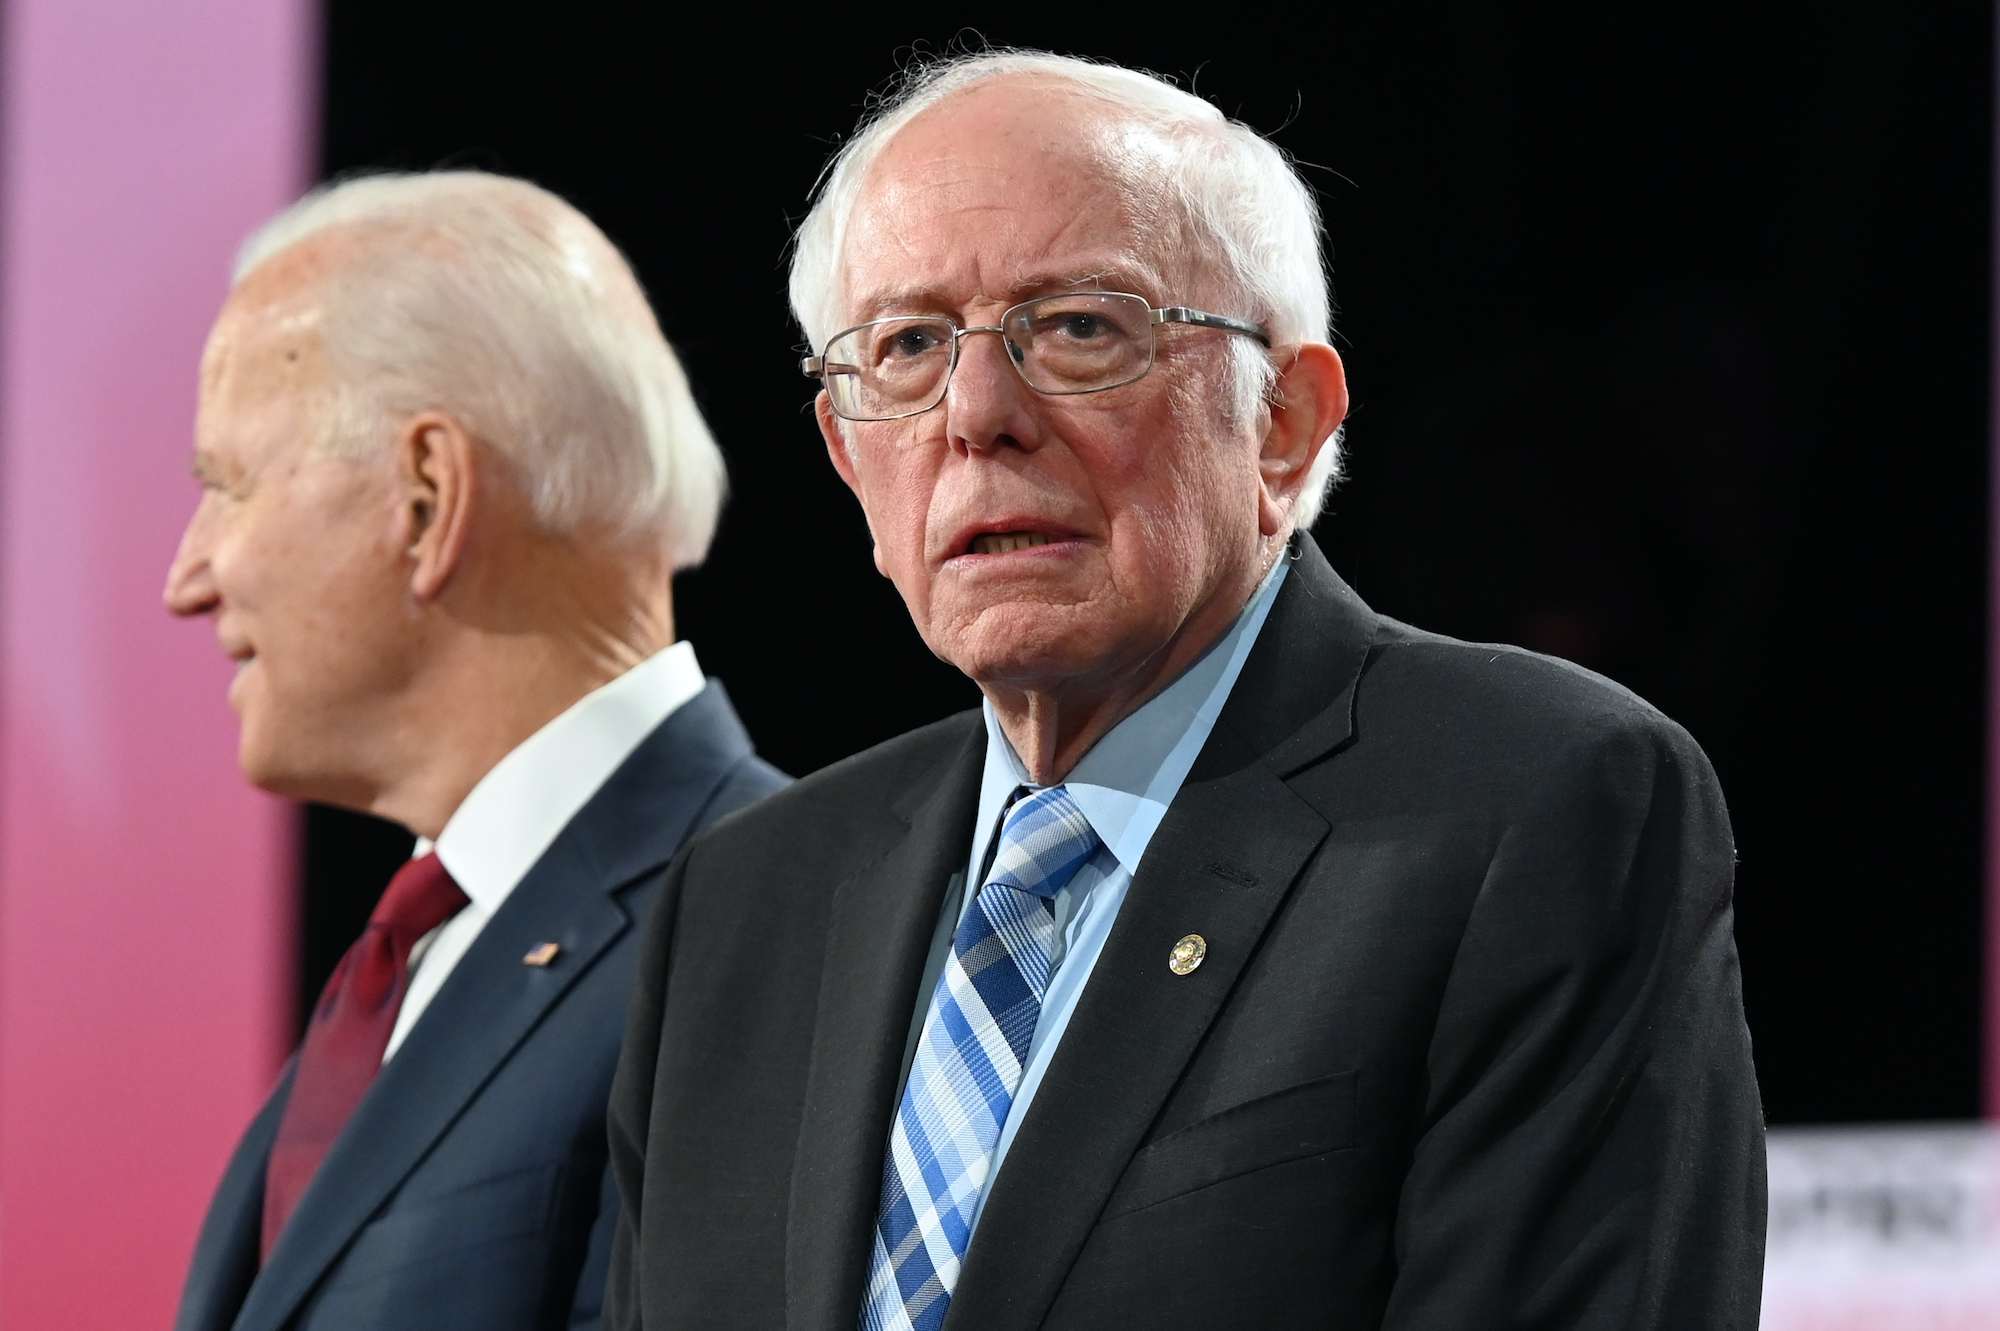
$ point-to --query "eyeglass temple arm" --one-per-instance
(1181, 314)
(817, 367)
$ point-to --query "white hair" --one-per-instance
(496, 302)
(1252, 221)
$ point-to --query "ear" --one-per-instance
(1308, 404)
(437, 469)
(840, 451)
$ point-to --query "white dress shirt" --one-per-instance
(1124, 786)
(519, 807)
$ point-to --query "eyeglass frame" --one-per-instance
(814, 367)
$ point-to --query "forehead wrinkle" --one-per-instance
(265, 355)
(1126, 262)
(280, 303)
(263, 372)
(1130, 277)
(1028, 282)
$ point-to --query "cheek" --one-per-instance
(1168, 492)
(281, 569)
(317, 594)
(1187, 510)
(897, 491)
(329, 682)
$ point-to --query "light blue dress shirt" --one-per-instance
(1123, 785)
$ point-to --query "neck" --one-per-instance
(1052, 726)
(487, 687)
(1051, 729)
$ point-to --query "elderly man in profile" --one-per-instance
(1250, 959)
(449, 466)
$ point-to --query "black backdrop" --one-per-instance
(1668, 334)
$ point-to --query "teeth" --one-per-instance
(1007, 542)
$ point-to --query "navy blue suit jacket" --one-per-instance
(470, 1188)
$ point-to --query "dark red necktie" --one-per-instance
(350, 1030)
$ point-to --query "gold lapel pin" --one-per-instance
(543, 955)
(1187, 954)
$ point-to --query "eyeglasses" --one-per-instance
(1081, 342)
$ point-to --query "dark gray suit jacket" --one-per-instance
(1467, 1050)
(469, 1190)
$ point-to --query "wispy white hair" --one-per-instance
(1252, 220)
(496, 302)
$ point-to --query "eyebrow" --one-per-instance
(926, 299)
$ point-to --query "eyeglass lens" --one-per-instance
(1080, 343)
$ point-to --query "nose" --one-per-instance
(987, 405)
(191, 588)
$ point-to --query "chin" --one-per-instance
(1026, 647)
(267, 775)
(270, 765)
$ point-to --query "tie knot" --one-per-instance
(1044, 841)
(420, 897)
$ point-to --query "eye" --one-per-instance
(909, 342)
(1081, 327)
(214, 482)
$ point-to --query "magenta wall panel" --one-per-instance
(145, 891)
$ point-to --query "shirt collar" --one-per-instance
(523, 803)
(1129, 778)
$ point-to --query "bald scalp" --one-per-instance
(499, 304)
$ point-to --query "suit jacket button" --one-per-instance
(1187, 954)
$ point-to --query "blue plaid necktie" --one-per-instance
(968, 1064)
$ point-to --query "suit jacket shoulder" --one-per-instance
(1505, 718)
(844, 811)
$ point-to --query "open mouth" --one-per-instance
(1007, 542)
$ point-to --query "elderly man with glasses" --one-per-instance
(1249, 959)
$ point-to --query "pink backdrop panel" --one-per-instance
(145, 891)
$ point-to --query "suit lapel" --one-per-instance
(1219, 866)
(225, 1256)
(883, 917)
(661, 795)
(485, 1009)
(1233, 842)
(491, 1001)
